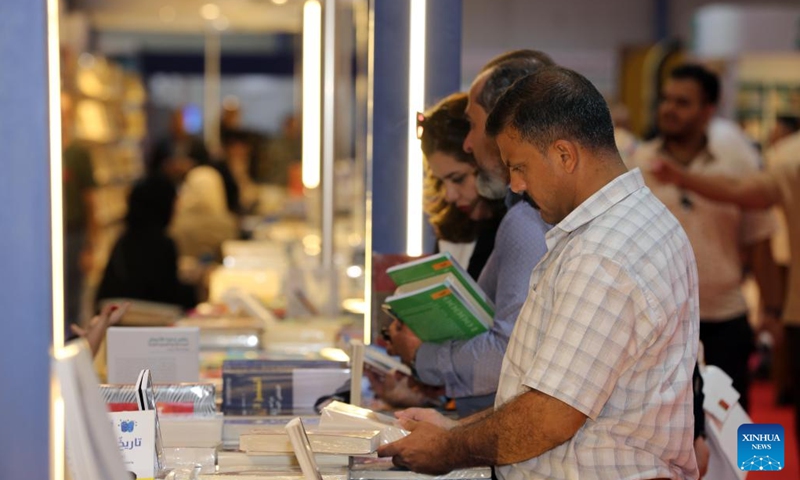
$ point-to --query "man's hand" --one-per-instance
(702, 454)
(667, 172)
(404, 342)
(415, 415)
(427, 449)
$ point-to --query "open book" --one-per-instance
(440, 308)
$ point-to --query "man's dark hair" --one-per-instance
(791, 122)
(705, 78)
(507, 69)
(551, 104)
(520, 54)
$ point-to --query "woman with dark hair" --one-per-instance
(464, 222)
(144, 262)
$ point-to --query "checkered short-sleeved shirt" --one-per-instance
(610, 327)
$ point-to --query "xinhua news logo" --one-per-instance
(760, 447)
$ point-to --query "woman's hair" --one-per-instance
(150, 204)
(443, 130)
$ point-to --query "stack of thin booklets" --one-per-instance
(438, 300)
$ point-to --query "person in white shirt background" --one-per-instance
(726, 239)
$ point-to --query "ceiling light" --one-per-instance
(279, 2)
(209, 11)
(312, 93)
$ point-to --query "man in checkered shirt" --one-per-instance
(597, 379)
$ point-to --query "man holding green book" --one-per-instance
(469, 369)
(597, 379)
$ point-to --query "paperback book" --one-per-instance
(439, 308)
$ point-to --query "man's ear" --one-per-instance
(566, 153)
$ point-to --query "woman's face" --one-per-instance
(458, 182)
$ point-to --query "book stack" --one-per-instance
(333, 442)
(273, 473)
(235, 460)
(234, 427)
(191, 430)
(278, 387)
(438, 300)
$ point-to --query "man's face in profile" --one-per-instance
(492, 175)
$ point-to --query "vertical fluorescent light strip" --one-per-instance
(416, 103)
(368, 163)
(312, 92)
(57, 432)
(57, 446)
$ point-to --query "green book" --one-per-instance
(439, 264)
(439, 308)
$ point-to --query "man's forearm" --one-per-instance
(526, 427)
(745, 192)
(475, 417)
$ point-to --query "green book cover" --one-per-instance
(439, 264)
(439, 311)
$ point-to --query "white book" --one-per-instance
(276, 440)
(146, 401)
(340, 416)
(92, 450)
(172, 354)
(273, 473)
(233, 427)
(191, 430)
(229, 460)
(384, 363)
(356, 370)
(302, 449)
